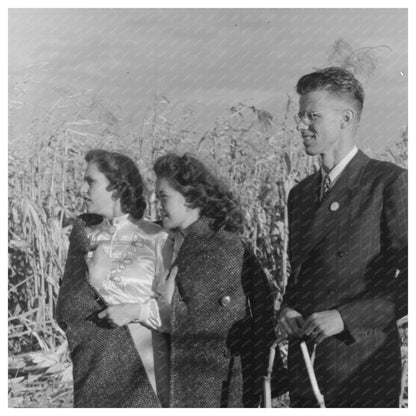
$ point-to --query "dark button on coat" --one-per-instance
(210, 317)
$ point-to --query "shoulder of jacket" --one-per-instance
(225, 235)
(229, 243)
(304, 183)
(89, 220)
(217, 241)
(384, 170)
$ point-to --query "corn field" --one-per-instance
(259, 154)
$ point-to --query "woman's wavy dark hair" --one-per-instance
(201, 189)
(124, 178)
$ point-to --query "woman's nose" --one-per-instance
(84, 188)
(159, 205)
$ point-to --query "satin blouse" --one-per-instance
(128, 263)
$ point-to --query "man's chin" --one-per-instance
(309, 151)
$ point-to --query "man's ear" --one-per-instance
(348, 117)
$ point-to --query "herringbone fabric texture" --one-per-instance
(107, 369)
(210, 323)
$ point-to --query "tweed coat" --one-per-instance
(107, 369)
(345, 253)
(215, 340)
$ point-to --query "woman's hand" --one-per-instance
(121, 314)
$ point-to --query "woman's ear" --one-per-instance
(115, 195)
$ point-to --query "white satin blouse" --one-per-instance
(129, 263)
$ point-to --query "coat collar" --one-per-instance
(199, 227)
(317, 220)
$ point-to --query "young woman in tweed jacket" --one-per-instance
(222, 306)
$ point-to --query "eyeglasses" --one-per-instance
(309, 117)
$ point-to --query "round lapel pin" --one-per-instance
(334, 206)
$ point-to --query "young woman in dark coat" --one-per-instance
(222, 306)
(111, 302)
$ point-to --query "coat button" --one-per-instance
(342, 253)
(334, 207)
(225, 300)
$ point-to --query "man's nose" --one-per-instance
(301, 125)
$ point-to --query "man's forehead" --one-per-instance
(320, 96)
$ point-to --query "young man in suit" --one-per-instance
(348, 254)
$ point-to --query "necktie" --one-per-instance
(326, 187)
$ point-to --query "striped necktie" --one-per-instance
(326, 187)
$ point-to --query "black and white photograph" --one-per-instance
(207, 205)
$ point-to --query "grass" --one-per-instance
(260, 156)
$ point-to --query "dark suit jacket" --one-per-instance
(219, 344)
(344, 254)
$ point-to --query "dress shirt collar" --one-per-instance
(336, 171)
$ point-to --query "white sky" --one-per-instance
(207, 59)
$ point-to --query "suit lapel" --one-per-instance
(334, 208)
(304, 206)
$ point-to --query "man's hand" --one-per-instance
(321, 325)
(121, 314)
(290, 323)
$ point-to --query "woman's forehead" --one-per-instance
(163, 184)
(92, 171)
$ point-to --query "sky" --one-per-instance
(204, 59)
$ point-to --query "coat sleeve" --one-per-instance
(397, 224)
(386, 299)
(260, 304)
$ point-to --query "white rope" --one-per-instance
(268, 378)
(311, 374)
